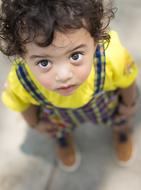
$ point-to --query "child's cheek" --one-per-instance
(83, 73)
(45, 81)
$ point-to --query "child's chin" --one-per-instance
(66, 93)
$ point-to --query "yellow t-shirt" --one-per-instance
(120, 73)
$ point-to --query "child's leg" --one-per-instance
(123, 142)
(68, 157)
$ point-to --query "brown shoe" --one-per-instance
(123, 144)
(68, 158)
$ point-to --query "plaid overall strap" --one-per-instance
(28, 84)
(100, 63)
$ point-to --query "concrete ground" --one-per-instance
(27, 161)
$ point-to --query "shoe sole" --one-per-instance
(72, 168)
(129, 162)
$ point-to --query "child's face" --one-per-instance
(65, 64)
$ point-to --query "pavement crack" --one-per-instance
(51, 177)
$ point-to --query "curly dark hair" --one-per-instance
(22, 21)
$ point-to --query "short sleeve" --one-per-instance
(14, 96)
(121, 70)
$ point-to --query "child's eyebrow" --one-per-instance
(77, 47)
(69, 51)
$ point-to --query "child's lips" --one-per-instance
(66, 89)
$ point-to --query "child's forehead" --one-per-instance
(62, 42)
(69, 38)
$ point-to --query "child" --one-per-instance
(68, 69)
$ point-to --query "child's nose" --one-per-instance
(64, 74)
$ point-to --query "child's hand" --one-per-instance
(126, 112)
(44, 126)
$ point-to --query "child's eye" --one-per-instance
(75, 57)
(44, 63)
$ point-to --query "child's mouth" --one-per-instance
(66, 89)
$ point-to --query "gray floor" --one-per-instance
(27, 161)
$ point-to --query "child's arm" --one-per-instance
(128, 99)
(31, 117)
(129, 95)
